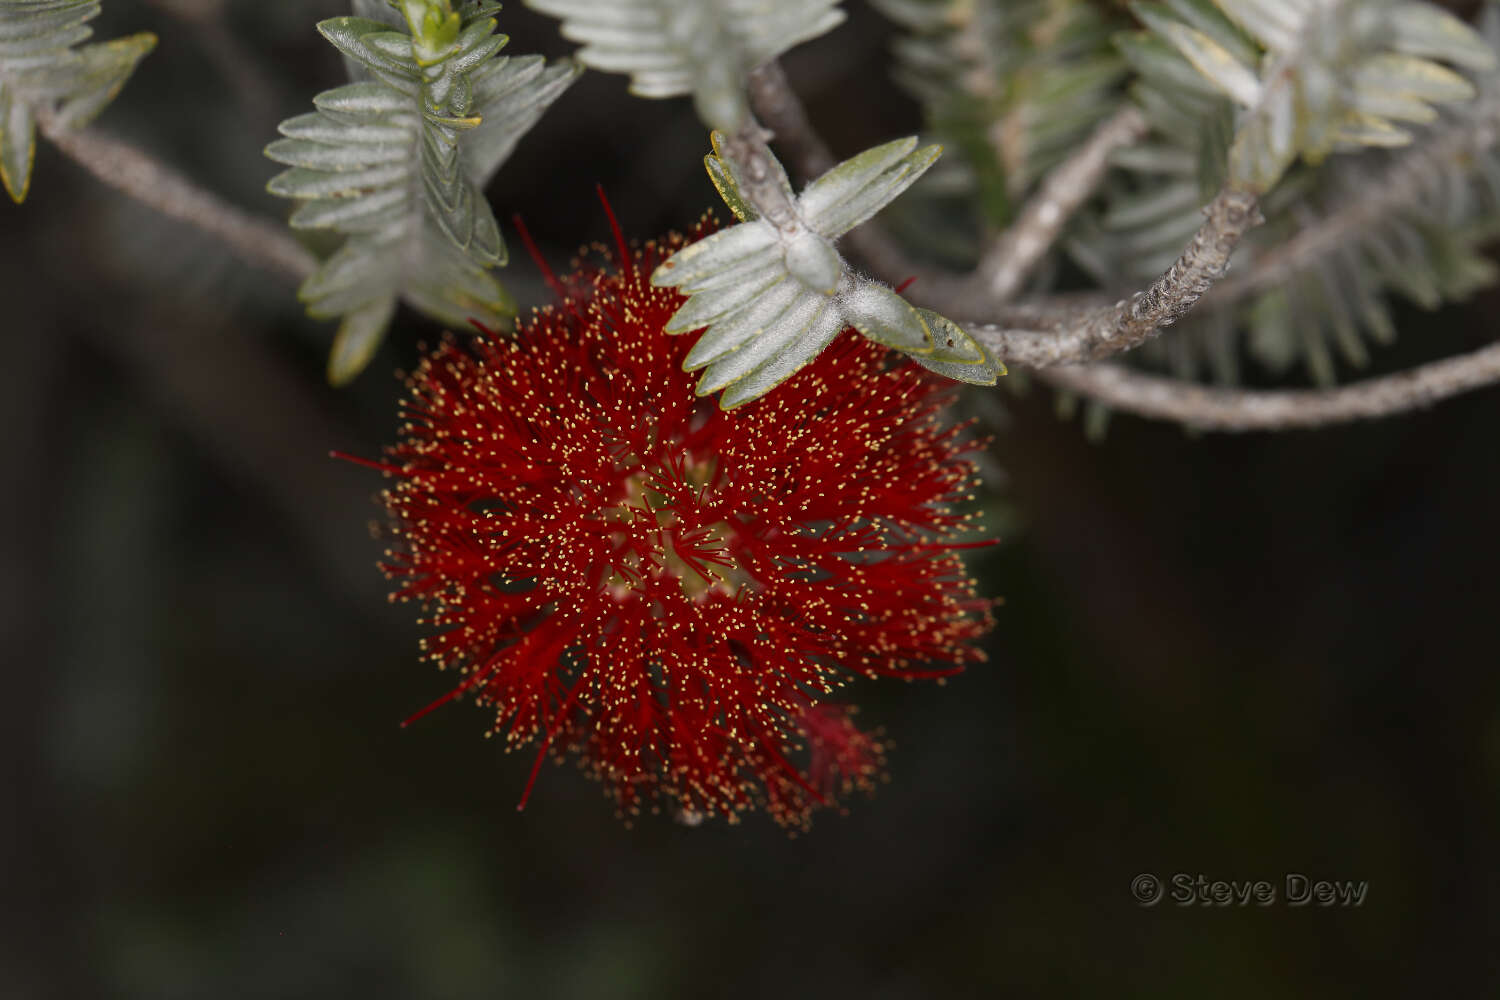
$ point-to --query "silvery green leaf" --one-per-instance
(510, 96)
(477, 43)
(27, 29)
(1381, 108)
(814, 262)
(859, 187)
(395, 162)
(336, 157)
(452, 288)
(886, 318)
(1422, 29)
(704, 264)
(951, 343)
(379, 10)
(355, 37)
(17, 143)
(306, 182)
(364, 214)
(1159, 62)
(317, 127)
(20, 47)
(706, 307)
(776, 336)
(1274, 23)
(99, 73)
(1266, 143)
(42, 66)
(1134, 209)
(48, 21)
(1206, 17)
(1215, 62)
(735, 329)
(1368, 130)
(985, 369)
(358, 338)
(766, 30)
(703, 49)
(356, 272)
(724, 182)
(979, 374)
(1272, 338)
(1409, 80)
(362, 99)
(800, 352)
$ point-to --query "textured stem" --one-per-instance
(777, 106)
(761, 187)
(1015, 253)
(1218, 409)
(122, 166)
(1131, 322)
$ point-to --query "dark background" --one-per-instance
(1241, 657)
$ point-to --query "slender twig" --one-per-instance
(1131, 322)
(120, 165)
(1219, 409)
(1016, 252)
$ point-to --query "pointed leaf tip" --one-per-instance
(358, 339)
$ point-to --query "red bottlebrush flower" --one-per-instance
(625, 572)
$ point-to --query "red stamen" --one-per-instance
(536, 255)
(541, 755)
(627, 263)
(440, 702)
(344, 456)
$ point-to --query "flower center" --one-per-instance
(667, 537)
